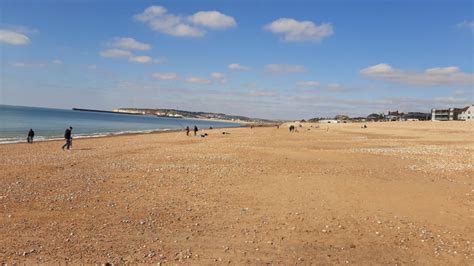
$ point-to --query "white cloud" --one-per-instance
(331, 87)
(467, 24)
(336, 87)
(380, 69)
(57, 62)
(298, 31)
(13, 38)
(260, 93)
(198, 80)
(213, 19)
(237, 67)
(158, 19)
(114, 53)
(28, 65)
(127, 43)
(442, 70)
(142, 59)
(308, 84)
(165, 76)
(217, 76)
(284, 69)
(430, 77)
(150, 13)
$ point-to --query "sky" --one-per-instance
(267, 59)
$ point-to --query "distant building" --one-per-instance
(374, 117)
(358, 119)
(445, 114)
(328, 121)
(416, 116)
(393, 116)
(467, 113)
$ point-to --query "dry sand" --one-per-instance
(394, 193)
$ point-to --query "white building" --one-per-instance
(445, 114)
(467, 113)
(328, 121)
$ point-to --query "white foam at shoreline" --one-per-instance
(81, 136)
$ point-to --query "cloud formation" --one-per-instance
(467, 24)
(165, 76)
(198, 80)
(115, 53)
(279, 69)
(28, 65)
(127, 43)
(299, 31)
(158, 19)
(310, 84)
(217, 76)
(212, 19)
(238, 67)
(13, 38)
(430, 77)
(141, 59)
(260, 93)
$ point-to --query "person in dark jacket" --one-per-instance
(68, 138)
(187, 131)
(31, 135)
(195, 130)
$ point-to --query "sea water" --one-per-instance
(48, 123)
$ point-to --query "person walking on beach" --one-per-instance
(31, 135)
(195, 130)
(68, 138)
(187, 131)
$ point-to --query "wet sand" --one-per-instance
(394, 193)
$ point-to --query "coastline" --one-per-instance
(110, 135)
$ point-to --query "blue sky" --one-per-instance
(269, 59)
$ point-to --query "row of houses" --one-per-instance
(410, 116)
(450, 114)
(466, 114)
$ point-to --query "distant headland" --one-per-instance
(188, 114)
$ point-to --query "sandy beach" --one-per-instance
(393, 193)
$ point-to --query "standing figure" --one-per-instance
(195, 130)
(68, 138)
(187, 131)
(31, 135)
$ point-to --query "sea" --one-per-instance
(50, 124)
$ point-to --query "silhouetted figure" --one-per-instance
(210, 128)
(31, 135)
(68, 138)
(195, 130)
(292, 128)
(187, 131)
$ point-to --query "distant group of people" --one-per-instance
(195, 130)
(67, 137)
